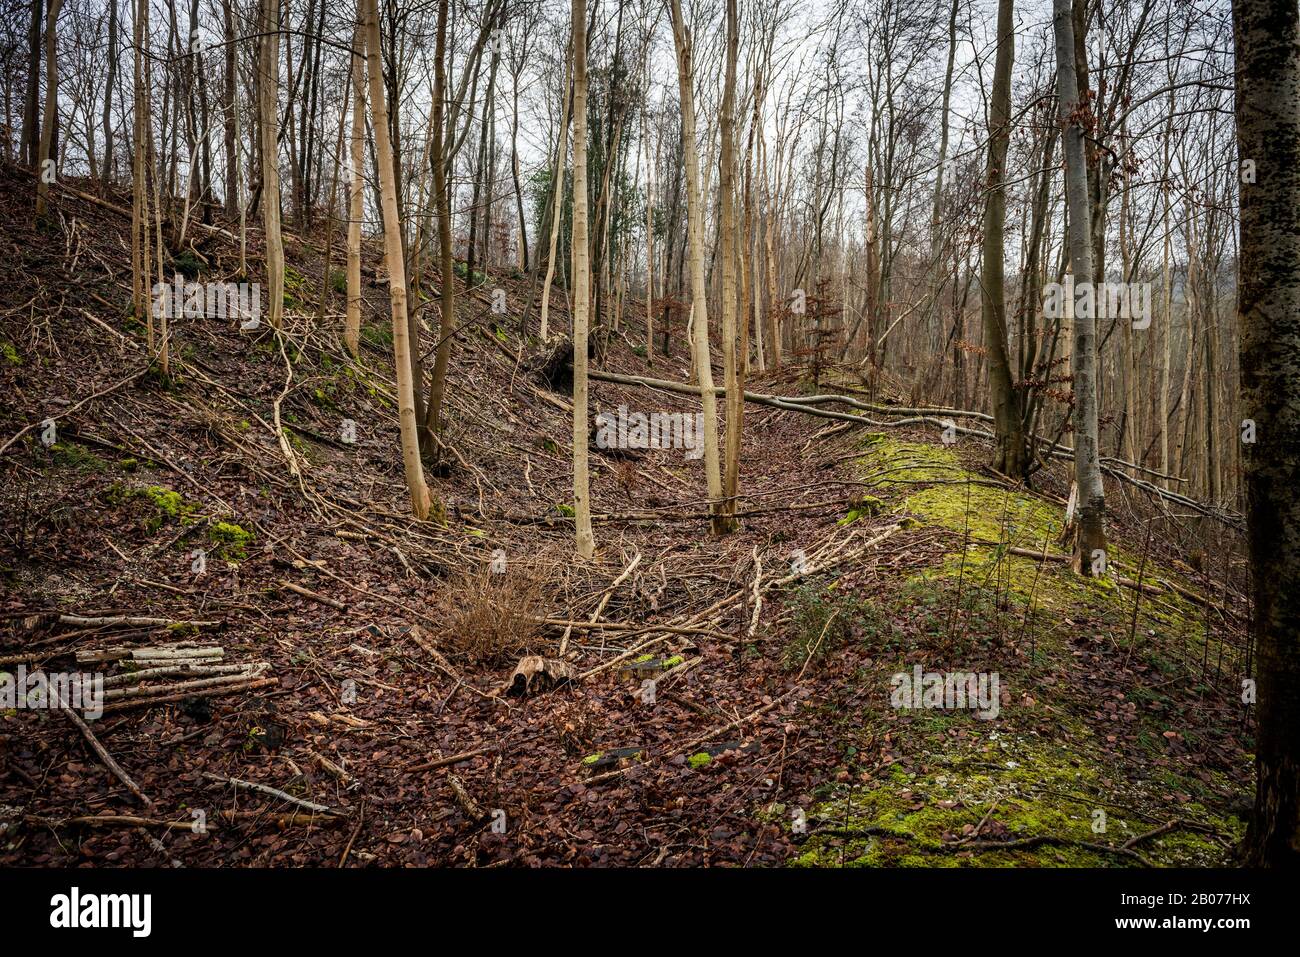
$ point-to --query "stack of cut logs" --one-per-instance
(170, 673)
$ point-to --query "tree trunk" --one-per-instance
(586, 544)
(51, 121)
(725, 521)
(557, 204)
(356, 184)
(31, 135)
(393, 255)
(268, 125)
(446, 266)
(1011, 456)
(1091, 545)
(1267, 34)
(699, 322)
(106, 172)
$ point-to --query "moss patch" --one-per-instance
(1021, 787)
(231, 540)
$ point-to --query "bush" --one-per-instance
(490, 618)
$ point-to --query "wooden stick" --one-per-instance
(274, 792)
(104, 756)
(451, 759)
(181, 696)
(314, 596)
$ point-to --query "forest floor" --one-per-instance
(767, 735)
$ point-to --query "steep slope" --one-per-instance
(767, 733)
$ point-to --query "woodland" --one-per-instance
(650, 433)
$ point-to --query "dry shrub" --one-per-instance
(489, 618)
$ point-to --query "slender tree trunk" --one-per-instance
(441, 199)
(1091, 545)
(695, 232)
(514, 173)
(725, 521)
(649, 233)
(1011, 456)
(586, 544)
(106, 173)
(1267, 34)
(356, 185)
(140, 285)
(557, 205)
(268, 126)
(402, 345)
(51, 121)
(31, 136)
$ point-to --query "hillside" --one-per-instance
(377, 652)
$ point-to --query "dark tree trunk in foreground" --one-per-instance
(1268, 132)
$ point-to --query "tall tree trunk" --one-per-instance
(140, 285)
(1267, 36)
(228, 119)
(31, 136)
(268, 95)
(1091, 544)
(50, 123)
(651, 157)
(724, 522)
(586, 543)
(402, 344)
(514, 173)
(356, 185)
(106, 173)
(1011, 456)
(441, 199)
(695, 232)
(557, 205)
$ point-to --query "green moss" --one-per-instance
(295, 286)
(890, 462)
(866, 507)
(593, 758)
(10, 354)
(166, 504)
(74, 456)
(231, 540)
(699, 760)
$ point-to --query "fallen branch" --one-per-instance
(273, 792)
(314, 596)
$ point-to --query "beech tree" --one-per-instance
(1090, 547)
(1267, 41)
(356, 185)
(586, 545)
(395, 260)
(268, 124)
(1011, 455)
(46, 164)
(699, 322)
